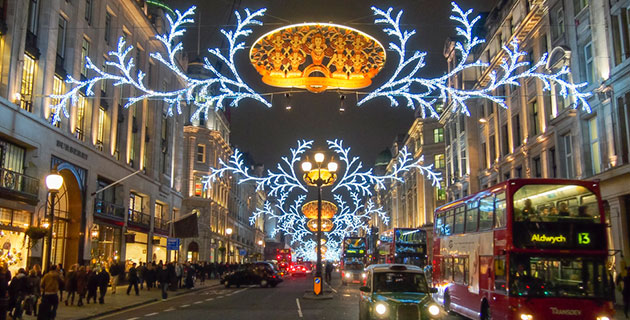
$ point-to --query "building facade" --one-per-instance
(98, 144)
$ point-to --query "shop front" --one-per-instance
(136, 244)
(106, 243)
(159, 249)
(13, 242)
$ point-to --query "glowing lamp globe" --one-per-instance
(54, 181)
(332, 166)
(309, 209)
(228, 231)
(307, 166)
(319, 157)
(327, 225)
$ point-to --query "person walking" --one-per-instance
(50, 289)
(179, 271)
(132, 275)
(115, 270)
(32, 283)
(142, 273)
(5, 276)
(329, 270)
(82, 282)
(103, 282)
(163, 279)
(92, 285)
(71, 284)
(17, 293)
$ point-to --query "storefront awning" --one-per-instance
(186, 226)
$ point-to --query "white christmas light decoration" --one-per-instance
(355, 180)
(406, 84)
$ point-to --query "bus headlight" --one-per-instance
(434, 310)
(603, 318)
(525, 316)
(380, 308)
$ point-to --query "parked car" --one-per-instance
(260, 273)
(397, 291)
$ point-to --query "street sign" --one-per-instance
(317, 285)
(242, 252)
(172, 244)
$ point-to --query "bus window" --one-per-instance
(439, 224)
(553, 203)
(500, 277)
(459, 219)
(486, 213)
(472, 214)
(448, 269)
(460, 270)
(448, 225)
(499, 211)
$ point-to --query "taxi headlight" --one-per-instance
(347, 275)
(434, 310)
(363, 275)
(525, 316)
(380, 308)
(603, 318)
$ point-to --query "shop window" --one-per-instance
(28, 79)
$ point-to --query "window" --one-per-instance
(28, 79)
(557, 23)
(201, 153)
(100, 130)
(460, 270)
(493, 150)
(198, 187)
(85, 52)
(593, 136)
(440, 193)
(439, 161)
(88, 11)
(518, 172)
(459, 219)
(484, 155)
(588, 62)
(449, 222)
(159, 213)
(164, 143)
(119, 132)
(108, 27)
(499, 210)
(61, 37)
(567, 144)
(516, 131)
(447, 269)
(33, 16)
(621, 35)
(104, 83)
(623, 111)
(472, 215)
(500, 276)
(79, 129)
(553, 166)
(505, 145)
(135, 202)
(537, 167)
(534, 119)
(578, 5)
(486, 213)
(58, 89)
(438, 135)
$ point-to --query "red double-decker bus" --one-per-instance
(524, 249)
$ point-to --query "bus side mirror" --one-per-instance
(433, 290)
(364, 289)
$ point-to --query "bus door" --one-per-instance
(499, 301)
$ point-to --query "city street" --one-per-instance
(283, 302)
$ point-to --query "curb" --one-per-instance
(123, 308)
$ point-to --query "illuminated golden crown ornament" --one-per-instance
(323, 174)
(327, 225)
(317, 56)
(329, 209)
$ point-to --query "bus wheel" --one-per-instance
(447, 302)
(485, 312)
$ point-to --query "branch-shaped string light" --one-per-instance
(203, 93)
(350, 220)
(356, 180)
(284, 181)
(406, 84)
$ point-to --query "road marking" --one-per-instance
(151, 314)
(209, 299)
(184, 306)
(197, 302)
(297, 300)
(219, 297)
(169, 309)
(133, 318)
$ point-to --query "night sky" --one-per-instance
(267, 134)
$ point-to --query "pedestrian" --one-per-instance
(115, 270)
(5, 276)
(132, 277)
(149, 274)
(92, 285)
(62, 274)
(179, 272)
(50, 298)
(17, 293)
(142, 272)
(71, 284)
(625, 291)
(32, 283)
(81, 284)
(172, 276)
(163, 279)
(329, 270)
(103, 282)
(190, 274)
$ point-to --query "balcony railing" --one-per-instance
(160, 224)
(139, 218)
(17, 185)
(107, 209)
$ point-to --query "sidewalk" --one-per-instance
(119, 301)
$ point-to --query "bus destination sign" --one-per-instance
(549, 235)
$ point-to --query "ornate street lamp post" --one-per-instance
(318, 178)
(228, 232)
(54, 181)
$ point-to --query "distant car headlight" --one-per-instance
(380, 308)
(603, 318)
(347, 275)
(434, 310)
(364, 275)
(525, 316)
